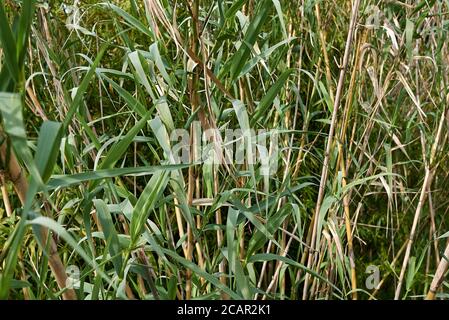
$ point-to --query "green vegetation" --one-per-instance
(95, 206)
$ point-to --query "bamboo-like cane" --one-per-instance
(439, 275)
(354, 14)
(429, 172)
(15, 175)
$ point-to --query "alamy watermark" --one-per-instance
(230, 147)
(373, 280)
(73, 277)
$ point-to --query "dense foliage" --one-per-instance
(95, 207)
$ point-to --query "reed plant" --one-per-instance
(96, 204)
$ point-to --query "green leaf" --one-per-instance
(326, 205)
(19, 284)
(253, 219)
(26, 19)
(48, 148)
(258, 239)
(8, 45)
(110, 234)
(236, 5)
(132, 21)
(445, 235)
(241, 56)
(132, 102)
(280, 14)
(82, 88)
(10, 262)
(146, 203)
(410, 272)
(201, 273)
(140, 66)
(62, 181)
(122, 145)
(234, 262)
(156, 56)
(268, 99)
(262, 56)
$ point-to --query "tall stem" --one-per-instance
(341, 80)
(15, 175)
